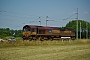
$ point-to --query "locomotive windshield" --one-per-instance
(26, 29)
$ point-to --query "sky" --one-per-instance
(14, 14)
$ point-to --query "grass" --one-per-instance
(7, 37)
(47, 50)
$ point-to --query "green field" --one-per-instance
(47, 50)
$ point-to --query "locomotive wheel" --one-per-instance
(23, 39)
(41, 38)
(51, 39)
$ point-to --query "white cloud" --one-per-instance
(73, 13)
(86, 12)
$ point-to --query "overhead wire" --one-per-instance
(23, 15)
(33, 18)
(70, 17)
(18, 13)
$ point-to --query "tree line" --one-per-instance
(4, 32)
(85, 28)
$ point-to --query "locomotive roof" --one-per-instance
(30, 26)
(40, 27)
(46, 27)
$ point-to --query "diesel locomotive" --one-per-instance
(33, 32)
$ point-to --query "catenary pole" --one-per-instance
(40, 20)
(86, 30)
(80, 30)
(77, 25)
(46, 20)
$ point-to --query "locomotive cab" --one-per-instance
(28, 32)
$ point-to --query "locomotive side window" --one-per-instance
(41, 31)
(24, 29)
(33, 30)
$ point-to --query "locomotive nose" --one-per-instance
(26, 34)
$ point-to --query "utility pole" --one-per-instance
(86, 30)
(77, 25)
(80, 30)
(46, 20)
(40, 20)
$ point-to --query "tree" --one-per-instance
(72, 24)
(4, 32)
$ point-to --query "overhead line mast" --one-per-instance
(47, 20)
(40, 20)
(77, 25)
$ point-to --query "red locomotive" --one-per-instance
(32, 32)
